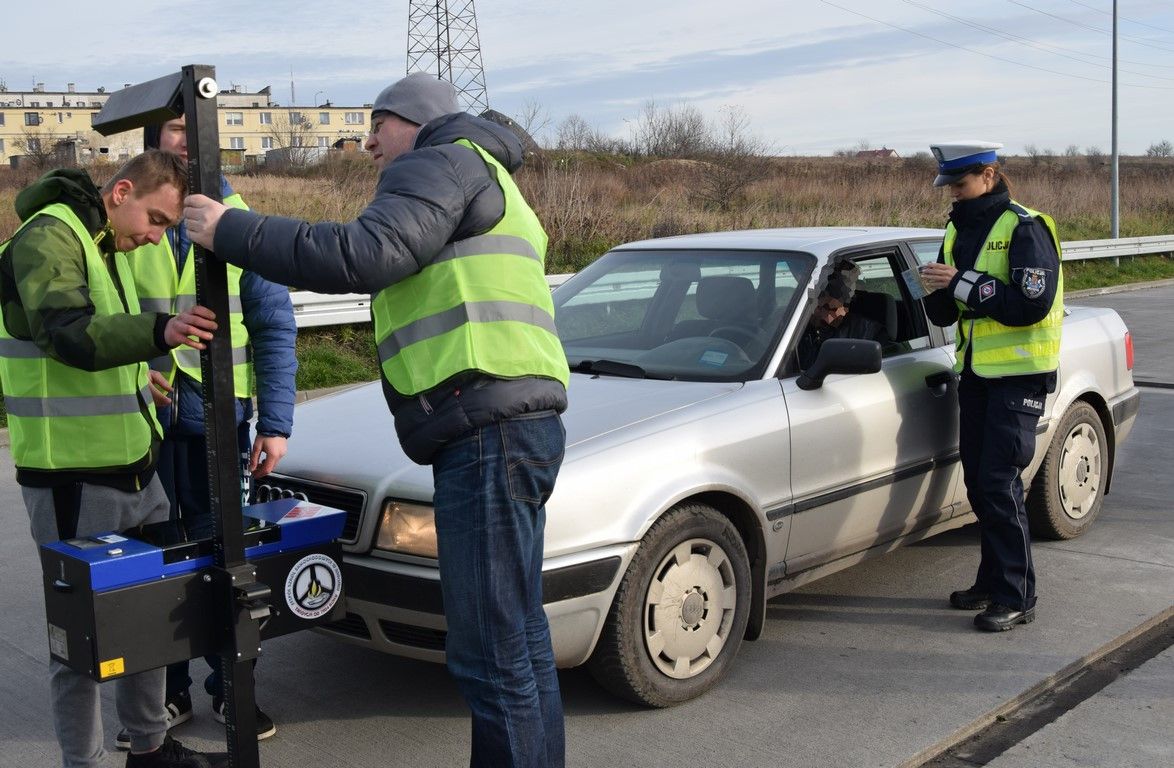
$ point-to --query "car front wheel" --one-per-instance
(1068, 490)
(680, 611)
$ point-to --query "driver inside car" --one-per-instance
(833, 318)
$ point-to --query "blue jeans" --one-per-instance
(491, 488)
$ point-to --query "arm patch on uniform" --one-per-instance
(1034, 282)
(986, 290)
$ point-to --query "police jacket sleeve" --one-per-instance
(269, 318)
(940, 305)
(421, 202)
(1034, 270)
(50, 274)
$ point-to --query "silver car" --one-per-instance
(704, 472)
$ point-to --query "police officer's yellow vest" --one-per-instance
(64, 418)
(162, 289)
(481, 304)
(1004, 350)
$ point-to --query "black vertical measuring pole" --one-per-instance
(241, 599)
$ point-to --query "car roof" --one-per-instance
(817, 240)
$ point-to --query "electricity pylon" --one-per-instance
(442, 39)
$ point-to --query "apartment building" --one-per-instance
(56, 127)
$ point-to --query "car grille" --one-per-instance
(417, 637)
(353, 625)
(349, 501)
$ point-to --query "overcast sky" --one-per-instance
(812, 76)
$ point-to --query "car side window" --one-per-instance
(882, 297)
(926, 251)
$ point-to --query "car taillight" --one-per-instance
(1128, 351)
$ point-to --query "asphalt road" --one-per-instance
(868, 667)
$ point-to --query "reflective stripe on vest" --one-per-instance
(161, 289)
(480, 304)
(64, 418)
(1003, 350)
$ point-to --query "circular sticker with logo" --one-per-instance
(313, 586)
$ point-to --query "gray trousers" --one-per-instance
(77, 708)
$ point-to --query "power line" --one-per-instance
(1086, 26)
(988, 55)
(1034, 44)
(1120, 17)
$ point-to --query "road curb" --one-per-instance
(1124, 287)
(1051, 682)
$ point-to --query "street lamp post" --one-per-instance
(316, 102)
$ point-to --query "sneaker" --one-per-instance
(179, 710)
(172, 754)
(265, 726)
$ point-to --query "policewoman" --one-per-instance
(998, 277)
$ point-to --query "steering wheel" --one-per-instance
(735, 333)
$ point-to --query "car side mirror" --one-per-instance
(841, 356)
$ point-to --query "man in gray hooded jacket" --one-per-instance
(491, 430)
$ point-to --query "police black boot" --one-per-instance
(973, 599)
(1000, 618)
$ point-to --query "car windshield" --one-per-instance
(694, 315)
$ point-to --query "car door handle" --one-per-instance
(939, 379)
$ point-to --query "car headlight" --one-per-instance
(408, 528)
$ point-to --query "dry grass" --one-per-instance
(589, 203)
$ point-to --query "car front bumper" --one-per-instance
(397, 607)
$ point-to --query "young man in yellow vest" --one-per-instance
(84, 437)
(998, 278)
(263, 333)
(473, 372)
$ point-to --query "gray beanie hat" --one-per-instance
(418, 98)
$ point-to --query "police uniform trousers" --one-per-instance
(997, 423)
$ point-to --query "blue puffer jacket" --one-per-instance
(268, 316)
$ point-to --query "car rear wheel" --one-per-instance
(1069, 488)
(680, 611)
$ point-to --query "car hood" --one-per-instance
(348, 438)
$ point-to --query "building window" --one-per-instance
(33, 144)
(236, 142)
(323, 118)
(297, 141)
(1, 146)
(266, 142)
(60, 117)
(355, 118)
(295, 118)
(266, 118)
(32, 118)
(1, 118)
(234, 118)
(324, 142)
(34, 103)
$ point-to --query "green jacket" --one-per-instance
(44, 297)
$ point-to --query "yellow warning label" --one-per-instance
(111, 668)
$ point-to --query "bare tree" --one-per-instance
(293, 132)
(40, 146)
(1094, 156)
(1160, 149)
(1072, 151)
(670, 132)
(736, 158)
(533, 118)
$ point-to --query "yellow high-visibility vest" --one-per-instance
(65, 418)
(1004, 350)
(481, 304)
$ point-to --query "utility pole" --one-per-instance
(442, 39)
(1114, 208)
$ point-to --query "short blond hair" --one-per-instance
(151, 170)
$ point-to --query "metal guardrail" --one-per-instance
(314, 309)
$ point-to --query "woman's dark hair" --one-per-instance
(1000, 175)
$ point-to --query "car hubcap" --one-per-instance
(689, 609)
(1080, 471)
